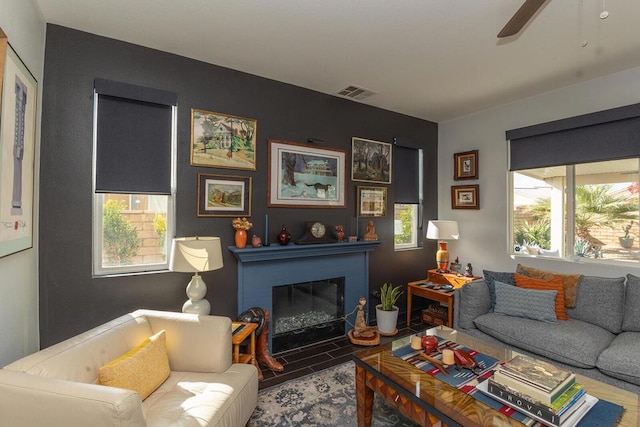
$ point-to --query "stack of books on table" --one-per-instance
(541, 391)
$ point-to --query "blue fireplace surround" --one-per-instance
(260, 269)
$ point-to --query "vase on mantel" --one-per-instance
(241, 239)
(284, 237)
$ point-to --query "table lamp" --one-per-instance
(443, 231)
(196, 255)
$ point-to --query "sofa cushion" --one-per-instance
(472, 301)
(554, 284)
(142, 369)
(601, 302)
(491, 276)
(631, 320)
(572, 342)
(569, 281)
(620, 360)
(528, 303)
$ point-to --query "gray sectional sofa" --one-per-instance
(601, 339)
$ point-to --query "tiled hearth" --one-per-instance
(307, 360)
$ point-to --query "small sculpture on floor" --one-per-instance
(361, 334)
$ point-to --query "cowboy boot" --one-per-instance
(263, 356)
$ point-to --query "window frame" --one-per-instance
(98, 270)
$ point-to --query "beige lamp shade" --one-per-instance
(443, 230)
(195, 254)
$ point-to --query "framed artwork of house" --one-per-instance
(222, 140)
(305, 176)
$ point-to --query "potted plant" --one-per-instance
(387, 311)
(626, 241)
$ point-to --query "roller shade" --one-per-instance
(406, 171)
(133, 138)
(604, 135)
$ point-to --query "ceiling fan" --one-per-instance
(521, 17)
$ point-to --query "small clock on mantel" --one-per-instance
(315, 232)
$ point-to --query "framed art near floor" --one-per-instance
(17, 148)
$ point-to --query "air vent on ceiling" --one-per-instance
(355, 92)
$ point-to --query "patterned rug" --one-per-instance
(327, 398)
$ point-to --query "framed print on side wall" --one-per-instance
(17, 148)
(371, 161)
(465, 165)
(305, 176)
(465, 197)
(223, 141)
(224, 195)
(372, 201)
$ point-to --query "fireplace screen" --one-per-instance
(306, 313)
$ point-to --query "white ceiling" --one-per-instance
(433, 59)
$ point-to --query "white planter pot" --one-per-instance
(387, 320)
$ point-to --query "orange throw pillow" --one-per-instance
(554, 284)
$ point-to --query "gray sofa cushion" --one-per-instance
(472, 300)
(600, 301)
(572, 342)
(620, 360)
(527, 303)
(631, 321)
(491, 276)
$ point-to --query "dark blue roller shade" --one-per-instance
(604, 135)
(406, 171)
(133, 147)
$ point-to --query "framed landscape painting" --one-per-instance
(305, 176)
(224, 195)
(17, 148)
(370, 161)
(223, 141)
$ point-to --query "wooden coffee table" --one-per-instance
(426, 399)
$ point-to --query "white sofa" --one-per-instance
(57, 386)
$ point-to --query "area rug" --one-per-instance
(326, 398)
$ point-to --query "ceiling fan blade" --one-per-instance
(521, 17)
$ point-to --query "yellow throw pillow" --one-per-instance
(142, 369)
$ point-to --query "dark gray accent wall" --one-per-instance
(71, 301)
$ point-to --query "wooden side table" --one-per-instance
(247, 330)
(415, 288)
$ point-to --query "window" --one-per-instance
(595, 217)
(575, 186)
(134, 178)
(408, 176)
(405, 222)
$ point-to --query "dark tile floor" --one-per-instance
(316, 357)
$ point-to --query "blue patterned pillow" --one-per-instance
(490, 278)
(527, 303)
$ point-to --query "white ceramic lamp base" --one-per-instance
(196, 291)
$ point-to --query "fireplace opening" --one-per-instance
(307, 313)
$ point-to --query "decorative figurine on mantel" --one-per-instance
(371, 232)
(468, 271)
(361, 334)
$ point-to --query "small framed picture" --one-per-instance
(465, 165)
(224, 195)
(372, 201)
(465, 197)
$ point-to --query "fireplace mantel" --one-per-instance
(273, 252)
(260, 269)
